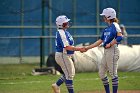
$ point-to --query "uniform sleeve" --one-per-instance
(64, 39)
(117, 27)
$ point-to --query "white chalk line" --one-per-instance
(86, 79)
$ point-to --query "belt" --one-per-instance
(59, 51)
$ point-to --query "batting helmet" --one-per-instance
(60, 20)
(109, 13)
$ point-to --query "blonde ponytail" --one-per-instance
(114, 20)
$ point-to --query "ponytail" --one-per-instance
(114, 20)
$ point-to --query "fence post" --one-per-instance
(42, 43)
(21, 30)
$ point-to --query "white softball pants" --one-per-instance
(109, 62)
(66, 63)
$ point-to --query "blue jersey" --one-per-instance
(110, 33)
(63, 39)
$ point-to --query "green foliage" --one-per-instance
(18, 79)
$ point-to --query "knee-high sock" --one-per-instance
(61, 80)
(115, 84)
(69, 84)
(106, 84)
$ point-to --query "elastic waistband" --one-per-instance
(64, 53)
(115, 45)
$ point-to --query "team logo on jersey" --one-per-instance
(106, 33)
(71, 39)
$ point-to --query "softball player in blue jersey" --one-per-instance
(110, 38)
(64, 52)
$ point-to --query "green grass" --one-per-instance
(17, 78)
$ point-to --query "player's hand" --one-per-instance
(83, 50)
(108, 45)
(87, 48)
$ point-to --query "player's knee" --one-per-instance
(113, 75)
(70, 77)
(101, 75)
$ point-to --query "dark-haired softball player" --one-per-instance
(110, 38)
(64, 52)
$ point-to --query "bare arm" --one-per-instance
(97, 43)
(72, 48)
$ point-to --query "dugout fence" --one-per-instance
(13, 58)
(24, 24)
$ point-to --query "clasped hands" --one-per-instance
(83, 49)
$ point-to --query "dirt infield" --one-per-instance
(120, 91)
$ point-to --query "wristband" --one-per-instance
(119, 38)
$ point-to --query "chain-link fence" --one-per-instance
(27, 27)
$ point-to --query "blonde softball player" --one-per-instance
(110, 38)
(64, 52)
